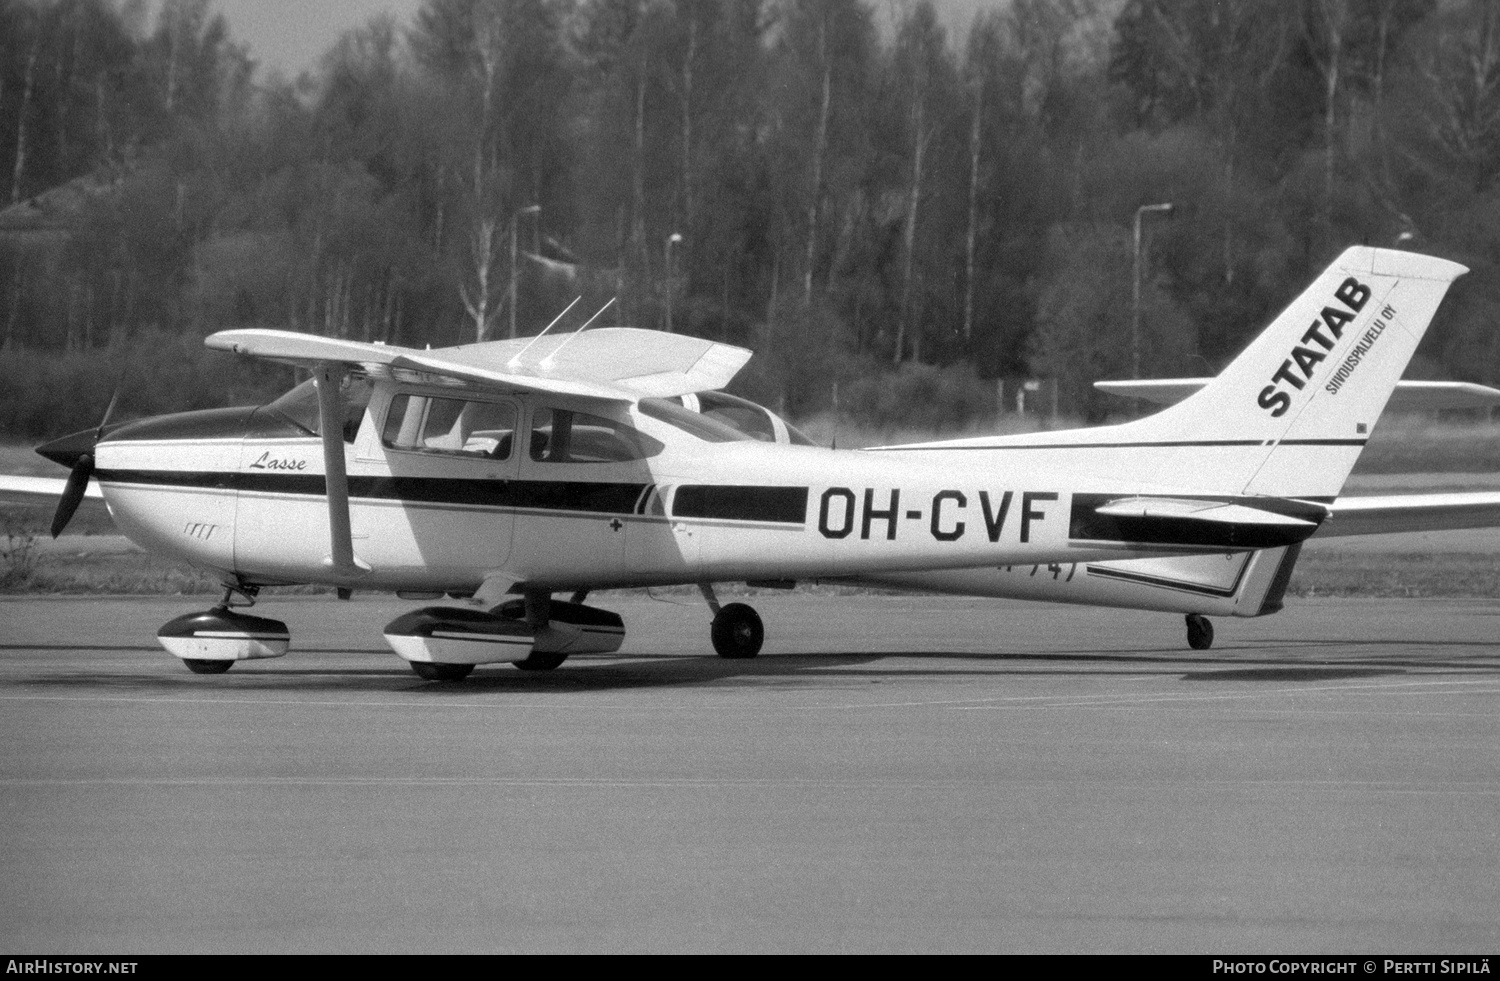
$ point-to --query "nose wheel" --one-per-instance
(1200, 632)
(199, 666)
(434, 671)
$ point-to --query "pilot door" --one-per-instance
(584, 477)
(432, 484)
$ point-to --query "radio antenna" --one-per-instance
(515, 362)
(546, 362)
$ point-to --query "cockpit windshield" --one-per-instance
(300, 405)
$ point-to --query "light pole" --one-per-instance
(672, 240)
(1135, 314)
(515, 219)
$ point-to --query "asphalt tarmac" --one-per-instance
(892, 774)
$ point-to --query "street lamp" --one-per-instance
(530, 209)
(1135, 316)
(672, 240)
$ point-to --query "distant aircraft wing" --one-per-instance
(1380, 515)
(1409, 396)
(615, 363)
(36, 487)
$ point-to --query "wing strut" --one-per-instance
(330, 379)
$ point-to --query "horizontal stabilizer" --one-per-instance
(1388, 514)
(1180, 523)
(1190, 510)
(1409, 396)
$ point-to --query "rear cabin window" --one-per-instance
(448, 426)
(748, 418)
(694, 424)
(566, 436)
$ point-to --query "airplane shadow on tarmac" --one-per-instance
(375, 669)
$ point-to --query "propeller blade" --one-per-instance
(109, 410)
(78, 483)
(76, 452)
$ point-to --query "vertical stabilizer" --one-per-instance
(1303, 398)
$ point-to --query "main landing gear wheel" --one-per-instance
(198, 666)
(737, 631)
(1200, 632)
(541, 662)
(430, 671)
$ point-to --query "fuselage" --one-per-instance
(449, 486)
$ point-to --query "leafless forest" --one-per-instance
(865, 199)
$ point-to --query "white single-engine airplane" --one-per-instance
(502, 473)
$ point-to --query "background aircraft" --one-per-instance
(558, 464)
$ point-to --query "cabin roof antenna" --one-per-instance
(515, 362)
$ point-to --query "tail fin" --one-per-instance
(1299, 403)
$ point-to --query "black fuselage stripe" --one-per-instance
(539, 495)
(733, 502)
(1166, 444)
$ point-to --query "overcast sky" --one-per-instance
(292, 34)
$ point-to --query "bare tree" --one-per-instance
(1462, 75)
(1327, 26)
(28, 83)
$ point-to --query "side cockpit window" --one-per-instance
(454, 427)
(566, 436)
(300, 405)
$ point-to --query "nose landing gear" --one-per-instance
(210, 642)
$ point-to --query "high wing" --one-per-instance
(1409, 396)
(619, 364)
